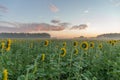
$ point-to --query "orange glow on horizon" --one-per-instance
(69, 34)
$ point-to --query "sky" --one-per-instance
(60, 18)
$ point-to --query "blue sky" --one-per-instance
(101, 16)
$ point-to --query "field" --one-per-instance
(28, 59)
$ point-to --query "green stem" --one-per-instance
(26, 77)
(59, 67)
(70, 63)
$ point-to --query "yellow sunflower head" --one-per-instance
(64, 44)
(84, 45)
(8, 48)
(43, 57)
(100, 46)
(46, 43)
(5, 74)
(110, 41)
(92, 44)
(76, 51)
(63, 52)
(9, 41)
(75, 44)
(2, 45)
(113, 43)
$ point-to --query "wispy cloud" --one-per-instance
(53, 8)
(79, 27)
(28, 27)
(115, 2)
(3, 8)
(55, 21)
(60, 23)
(48, 27)
(66, 24)
(37, 27)
(86, 11)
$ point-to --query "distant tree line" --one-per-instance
(24, 35)
(110, 35)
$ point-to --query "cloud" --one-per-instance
(58, 22)
(55, 21)
(64, 24)
(48, 27)
(7, 24)
(53, 8)
(3, 8)
(29, 27)
(115, 2)
(80, 27)
(37, 27)
(86, 11)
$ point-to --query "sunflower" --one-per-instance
(64, 44)
(46, 43)
(43, 57)
(110, 41)
(100, 46)
(92, 44)
(75, 44)
(8, 48)
(113, 43)
(5, 74)
(2, 45)
(9, 42)
(63, 52)
(76, 51)
(84, 45)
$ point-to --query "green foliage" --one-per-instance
(24, 60)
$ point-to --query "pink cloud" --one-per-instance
(29, 27)
(37, 27)
(53, 8)
(48, 27)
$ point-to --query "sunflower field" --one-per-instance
(40, 59)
